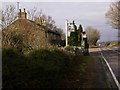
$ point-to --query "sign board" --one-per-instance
(84, 35)
(71, 27)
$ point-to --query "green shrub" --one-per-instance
(68, 47)
(40, 68)
(14, 65)
(73, 41)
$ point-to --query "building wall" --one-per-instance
(24, 35)
(53, 38)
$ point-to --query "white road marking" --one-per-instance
(113, 75)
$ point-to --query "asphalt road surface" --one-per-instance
(108, 57)
(101, 80)
(111, 55)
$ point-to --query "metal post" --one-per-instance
(66, 27)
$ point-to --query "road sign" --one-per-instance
(71, 27)
(84, 36)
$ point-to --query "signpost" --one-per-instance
(66, 27)
(69, 27)
(74, 39)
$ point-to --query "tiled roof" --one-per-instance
(28, 24)
(24, 24)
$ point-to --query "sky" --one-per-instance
(86, 13)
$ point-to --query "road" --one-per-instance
(114, 49)
(101, 80)
(110, 54)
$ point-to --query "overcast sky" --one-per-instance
(85, 13)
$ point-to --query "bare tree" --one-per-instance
(50, 22)
(93, 35)
(8, 15)
(113, 14)
(32, 14)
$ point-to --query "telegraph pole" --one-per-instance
(66, 27)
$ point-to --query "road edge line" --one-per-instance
(113, 75)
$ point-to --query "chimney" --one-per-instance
(22, 15)
(38, 20)
(19, 14)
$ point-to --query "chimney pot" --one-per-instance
(24, 9)
(22, 14)
(19, 10)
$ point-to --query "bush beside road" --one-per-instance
(49, 68)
